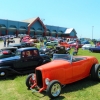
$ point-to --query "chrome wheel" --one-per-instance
(99, 72)
(2, 73)
(56, 89)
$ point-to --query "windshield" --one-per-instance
(18, 53)
(62, 56)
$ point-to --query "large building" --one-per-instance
(34, 27)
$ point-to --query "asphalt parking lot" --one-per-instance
(16, 41)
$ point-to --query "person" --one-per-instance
(75, 50)
(23, 54)
(35, 52)
(28, 54)
(8, 42)
(21, 39)
(4, 40)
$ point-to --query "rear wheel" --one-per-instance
(54, 89)
(95, 72)
(29, 81)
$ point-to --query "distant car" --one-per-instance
(12, 49)
(24, 61)
(20, 45)
(51, 51)
(62, 50)
(62, 70)
(95, 49)
(52, 43)
(87, 46)
(65, 44)
(47, 51)
(73, 44)
(6, 54)
(85, 42)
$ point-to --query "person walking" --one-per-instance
(4, 40)
(8, 42)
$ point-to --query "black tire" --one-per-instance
(29, 83)
(52, 85)
(3, 74)
(95, 72)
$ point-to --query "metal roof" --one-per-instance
(30, 20)
(69, 30)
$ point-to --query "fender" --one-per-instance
(9, 69)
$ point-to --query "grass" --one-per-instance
(14, 88)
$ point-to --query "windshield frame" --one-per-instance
(63, 56)
(18, 53)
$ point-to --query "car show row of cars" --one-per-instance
(49, 69)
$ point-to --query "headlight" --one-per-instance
(34, 77)
(47, 81)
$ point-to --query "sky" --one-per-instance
(82, 15)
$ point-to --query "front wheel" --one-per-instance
(29, 81)
(95, 72)
(3, 74)
(54, 89)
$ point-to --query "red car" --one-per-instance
(65, 44)
(62, 70)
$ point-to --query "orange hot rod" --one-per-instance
(62, 70)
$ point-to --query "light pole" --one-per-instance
(92, 32)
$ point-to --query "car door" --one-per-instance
(31, 59)
(79, 68)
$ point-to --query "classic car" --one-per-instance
(29, 39)
(24, 61)
(62, 50)
(73, 44)
(6, 54)
(52, 43)
(62, 70)
(51, 51)
(95, 49)
(12, 49)
(87, 46)
(20, 45)
(65, 44)
(47, 51)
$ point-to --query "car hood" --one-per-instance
(9, 59)
(54, 64)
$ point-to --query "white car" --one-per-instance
(87, 46)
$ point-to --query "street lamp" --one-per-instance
(92, 32)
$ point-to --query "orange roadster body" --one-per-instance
(64, 69)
